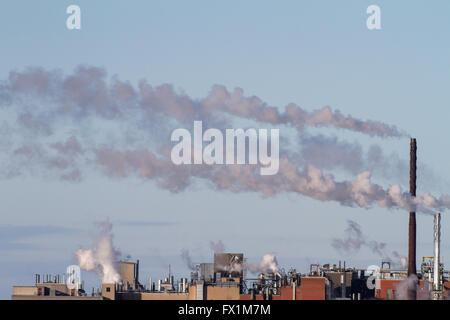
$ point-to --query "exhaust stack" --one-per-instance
(412, 217)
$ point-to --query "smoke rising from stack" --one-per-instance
(404, 288)
(311, 181)
(217, 247)
(268, 263)
(410, 286)
(403, 260)
(253, 108)
(102, 257)
(42, 103)
(355, 240)
(87, 92)
(330, 153)
(187, 259)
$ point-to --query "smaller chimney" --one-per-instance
(136, 281)
(437, 292)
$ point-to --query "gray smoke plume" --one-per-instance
(329, 153)
(404, 288)
(122, 130)
(87, 92)
(411, 283)
(217, 247)
(355, 240)
(187, 259)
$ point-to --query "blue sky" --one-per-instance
(313, 53)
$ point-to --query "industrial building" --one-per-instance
(225, 279)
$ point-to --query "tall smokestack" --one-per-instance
(412, 217)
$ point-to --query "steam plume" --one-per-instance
(217, 247)
(404, 287)
(187, 259)
(311, 181)
(237, 104)
(102, 258)
(268, 263)
(355, 240)
(87, 92)
(45, 102)
(403, 259)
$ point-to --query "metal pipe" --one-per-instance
(437, 236)
(343, 285)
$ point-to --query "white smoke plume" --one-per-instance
(403, 259)
(311, 181)
(355, 240)
(45, 102)
(268, 263)
(404, 288)
(102, 258)
(88, 92)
